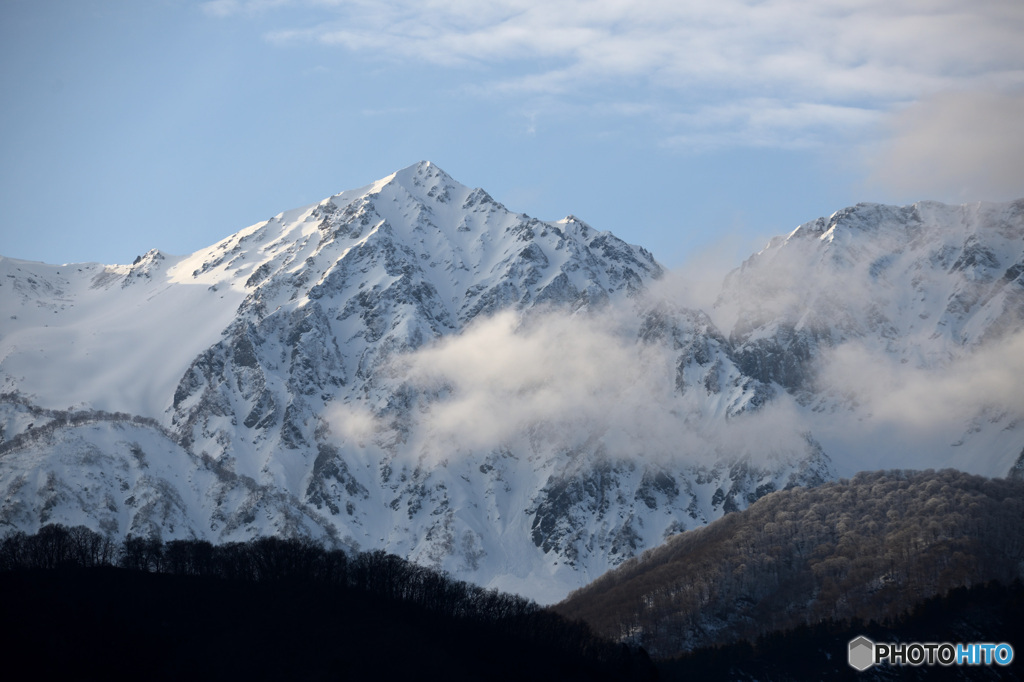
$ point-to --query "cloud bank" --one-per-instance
(562, 384)
(504, 376)
(930, 398)
(551, 383)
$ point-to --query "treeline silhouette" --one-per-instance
(981, 613)
(88, 607)
(870, 547)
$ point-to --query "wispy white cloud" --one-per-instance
(844, 49)
(767, 123)
(774, 65)
(220, 8)
(502, 376)
(556, 383)
(954, 146)
(928, 399)
(230, 8)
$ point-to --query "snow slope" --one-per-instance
(110, 337)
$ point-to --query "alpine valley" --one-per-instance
(410, 366)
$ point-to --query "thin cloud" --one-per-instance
(955, 146)
(221, 8)
(228, 8)
(928, 399)
(501, 376)
(768, 123)
(551, 384)
(822, 67)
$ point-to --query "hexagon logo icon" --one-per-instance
(862, 653)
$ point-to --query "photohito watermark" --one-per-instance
(864, 653)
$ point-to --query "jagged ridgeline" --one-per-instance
(411, 366)
(868, 548)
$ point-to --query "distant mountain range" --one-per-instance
(411, 366)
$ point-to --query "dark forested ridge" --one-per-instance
(772, 592)
(989, 612)
(79, 606)
(868, 548)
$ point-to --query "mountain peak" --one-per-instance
(420, 168)
(423, 174)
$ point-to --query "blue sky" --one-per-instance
(696, 129)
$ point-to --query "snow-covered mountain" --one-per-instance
(908, 319)
(411, 366)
